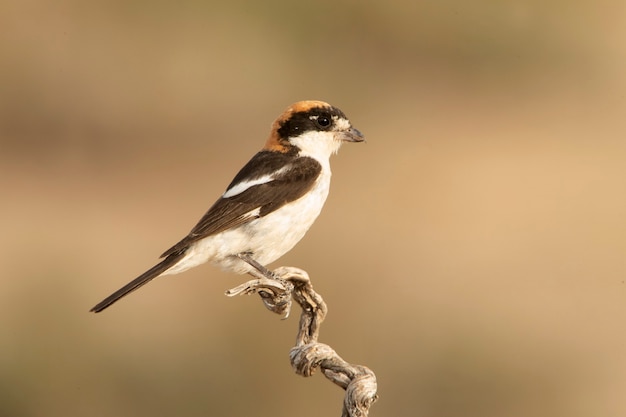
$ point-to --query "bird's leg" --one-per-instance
(259, 269)
(274, 290)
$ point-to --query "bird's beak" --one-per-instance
(352, 135)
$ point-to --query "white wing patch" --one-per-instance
(246, 184)
(252, 214)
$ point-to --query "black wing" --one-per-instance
(291, 178)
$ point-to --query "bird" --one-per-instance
(269, 205)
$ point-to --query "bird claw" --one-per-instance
(274, 287)
(274, 292)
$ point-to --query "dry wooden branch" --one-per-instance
(308, 355)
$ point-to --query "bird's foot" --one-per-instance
(274, 287)
(275, 291)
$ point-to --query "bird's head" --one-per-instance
(312, 128)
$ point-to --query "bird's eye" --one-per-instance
(323, 121)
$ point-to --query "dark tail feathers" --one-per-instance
(140, 281)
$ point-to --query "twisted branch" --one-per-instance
(308, 355)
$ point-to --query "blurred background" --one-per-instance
(471, 252)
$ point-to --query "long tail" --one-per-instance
(140, 281)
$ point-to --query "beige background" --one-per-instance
(471, 252)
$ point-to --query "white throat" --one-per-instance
(318, 145)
